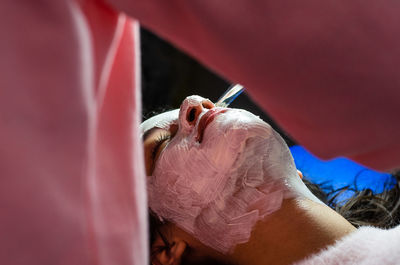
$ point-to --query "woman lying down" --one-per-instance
(223, 189)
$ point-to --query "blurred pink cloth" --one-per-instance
(72, 185)
(326, 71)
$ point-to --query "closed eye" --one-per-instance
(154, 142)
(158, 142)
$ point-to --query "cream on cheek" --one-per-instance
(219, 189)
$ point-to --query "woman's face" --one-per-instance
(214, 171)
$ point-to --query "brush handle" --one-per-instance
(230, 94)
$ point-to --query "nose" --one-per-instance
(191, 109)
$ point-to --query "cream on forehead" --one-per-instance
(218, 189)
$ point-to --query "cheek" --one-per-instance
(187, 174)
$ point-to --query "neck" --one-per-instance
(298, 229)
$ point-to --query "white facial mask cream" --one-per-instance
(217, 189)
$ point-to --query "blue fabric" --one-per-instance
(339, 173)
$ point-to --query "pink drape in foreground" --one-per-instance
(72, 187)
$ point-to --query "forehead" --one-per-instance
(162, 120)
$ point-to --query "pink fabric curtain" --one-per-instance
(326, 71)
(72, 187)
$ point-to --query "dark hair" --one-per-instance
(363, 208)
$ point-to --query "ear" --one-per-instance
(173, 256)
(300, 174)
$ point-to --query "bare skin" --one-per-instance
(300, 228)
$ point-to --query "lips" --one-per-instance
(206, 119)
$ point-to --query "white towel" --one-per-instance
(367, 246)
